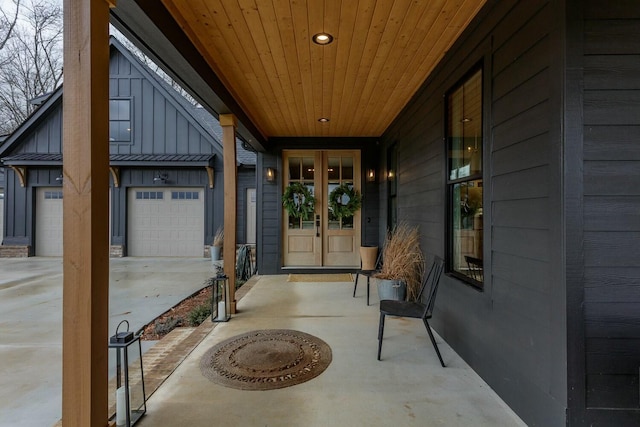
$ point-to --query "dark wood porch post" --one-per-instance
(229, 124)
(85, 213)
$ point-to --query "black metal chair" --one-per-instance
(476, 267)
(368, 274)
(421, 309)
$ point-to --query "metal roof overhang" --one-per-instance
(127, 160)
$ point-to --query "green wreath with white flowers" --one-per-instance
(344, 201)
(298, 201)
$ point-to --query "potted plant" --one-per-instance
(216, 247)
(402, 268)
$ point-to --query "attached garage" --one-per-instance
(166, 222)
(48, 221)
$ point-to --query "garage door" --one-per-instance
(166, 222)
(49, 221)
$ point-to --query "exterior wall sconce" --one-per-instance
(371, 175)
(270, 174)
(391, 175)
(161, 177)
(60, 178)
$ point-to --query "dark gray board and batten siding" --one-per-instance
(611, 172)
(513, 333)
(163, 125)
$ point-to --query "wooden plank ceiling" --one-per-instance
(382, 52)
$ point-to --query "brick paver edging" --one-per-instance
(168, 353)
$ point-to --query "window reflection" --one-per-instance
(464, 140)
(301, 169)
(119, 120)
(339, 172)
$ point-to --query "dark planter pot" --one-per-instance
(215, 253)
(392, 289)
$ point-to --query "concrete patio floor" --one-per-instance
(408, 387)
(31, 323)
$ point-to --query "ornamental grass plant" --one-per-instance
(402, 258)
(218, 238)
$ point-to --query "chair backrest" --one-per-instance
(432, 280)
(475, 266)
(379, 259)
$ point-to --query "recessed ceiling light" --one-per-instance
(323, 120)
(322, 38)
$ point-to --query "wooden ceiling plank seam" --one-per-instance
(236, 29)
(402, 48)
(287, 79)
(284, 22)
(302, 40)
(370, 82)
(255, 27)
(423, 61)
(228, 55)
(344, 34)
(330, 25)
(369, 65)
(185, 23)
(315, 23)
(447, 42)
(210, 57)
(261, 50)
(443, 43)
(232, 52)
(364, 15)
(400, 53)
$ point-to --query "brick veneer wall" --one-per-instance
(14, 251)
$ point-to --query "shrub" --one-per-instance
(199, 314)
(163, 327)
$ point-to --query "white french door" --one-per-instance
(324, 240)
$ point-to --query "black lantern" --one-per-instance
(130, 395)
(220, 304)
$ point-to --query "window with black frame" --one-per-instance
(464, 180)
(120, 120)
(392, 187)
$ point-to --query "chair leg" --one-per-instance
(433, 340)
(355, 285)
(380, 334)
(367, 290)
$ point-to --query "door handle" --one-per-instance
(317, 225)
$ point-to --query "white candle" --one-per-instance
(121, 407)
(222, 314)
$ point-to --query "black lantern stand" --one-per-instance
(123, 343)
(220, 304)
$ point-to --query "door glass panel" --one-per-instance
(347, 168)
(295, 164)
(301, 169)
(340, 171)
(307, 168)
(333, 169)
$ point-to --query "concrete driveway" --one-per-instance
(31, 323)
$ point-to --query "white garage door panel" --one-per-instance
(49, 222)
(162, 225)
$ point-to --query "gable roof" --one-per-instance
(207, 124)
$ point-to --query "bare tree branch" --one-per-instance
(7, 24)
(31, 61)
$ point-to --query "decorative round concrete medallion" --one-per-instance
(266, 359)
